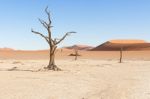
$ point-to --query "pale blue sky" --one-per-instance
(95, 21)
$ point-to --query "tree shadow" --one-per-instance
(29, 70)
(16, 69)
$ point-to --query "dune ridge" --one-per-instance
(127, 45)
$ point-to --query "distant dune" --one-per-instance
(127, 45)
(80, 47)
(133, 49)
(6, 49)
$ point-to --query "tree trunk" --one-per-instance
(121, 49)
(52, 65)
(76, 57)
(76, 54)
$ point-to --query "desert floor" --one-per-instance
(81, 79)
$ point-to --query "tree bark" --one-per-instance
(52, 65)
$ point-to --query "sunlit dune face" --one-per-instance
(127, 41)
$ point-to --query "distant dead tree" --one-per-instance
(52, 42)
(121, 52)
(61, 50)
(76, 54)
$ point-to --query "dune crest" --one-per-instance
(127, 41)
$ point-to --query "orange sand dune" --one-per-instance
(127, 45)
(133, 49)
(64, 54)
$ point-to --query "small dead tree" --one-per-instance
(76, 54)
(52, 42)
(121, 51)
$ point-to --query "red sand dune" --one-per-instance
(127, 45)
(64, 54)
(109, 50)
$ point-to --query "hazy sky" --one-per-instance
(95, 21)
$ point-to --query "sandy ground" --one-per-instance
(81, 79)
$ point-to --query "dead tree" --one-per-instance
(76, 54)
(121, 51)
(52, 42)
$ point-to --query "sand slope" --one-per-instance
(127, 45)
(104, 55)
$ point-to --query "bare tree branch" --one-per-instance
(43, 23)
(45, 37)
(49, 16)
(54, 41)
(67, 34)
